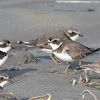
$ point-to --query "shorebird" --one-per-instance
(41, 42)
(68, 50)
(3, 75)
(95, 67)
(5, 46)
(4, 79)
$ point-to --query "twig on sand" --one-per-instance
(5, 95)
(94, 84)
(87, 91)
(33, 98)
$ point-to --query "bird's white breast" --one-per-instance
(3, 60)
(74, 37)
(63, 56)
(6, 49)
(3, 83)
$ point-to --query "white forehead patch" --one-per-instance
(70, 31)
(1, 43)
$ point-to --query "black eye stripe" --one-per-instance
(55, 40)
(50, 39)
(73, 33)
(8, 42)
(4, 43)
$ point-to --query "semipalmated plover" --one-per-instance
(42, 41)
(68, 50)
(4, 79)
(95, 67)
(5, 76)
(4, 48)
(92, 67)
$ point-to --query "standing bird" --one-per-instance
(68, 50)
(41, 42)
(95, 67)
(4, 48)
(4, 79)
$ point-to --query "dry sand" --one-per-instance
(29, 19)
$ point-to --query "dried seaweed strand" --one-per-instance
(33, 98)
(87, 91)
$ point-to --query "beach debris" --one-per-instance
(47, 95)
(83, 81)
(87, 91)
(74, 82)
(7, 96)
(86, 82)
(94, 84)
(80, 81)
(8, 68)
(22, 57)
(53, 70)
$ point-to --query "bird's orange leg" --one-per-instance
(56, 60)
(66, 70)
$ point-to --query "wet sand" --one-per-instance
(26, 20)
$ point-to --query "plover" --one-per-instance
(95, 67)
(68, 50)
(3, 75)
(4, 79)
(41, 42)
(5, 46)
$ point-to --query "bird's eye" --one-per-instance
(50, 39)
(73, 33)
(55, 41)
(1, 78)
(8, 42)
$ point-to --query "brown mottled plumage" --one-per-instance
(4, 43)
(41, 42)
(74, 49)
(68, 50)
(93, 67)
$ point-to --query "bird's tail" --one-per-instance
(82, 67)
(95, 50)
(29, 43)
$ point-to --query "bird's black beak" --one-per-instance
(13, 48)
(80, 35)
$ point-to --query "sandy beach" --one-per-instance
(30, 19)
